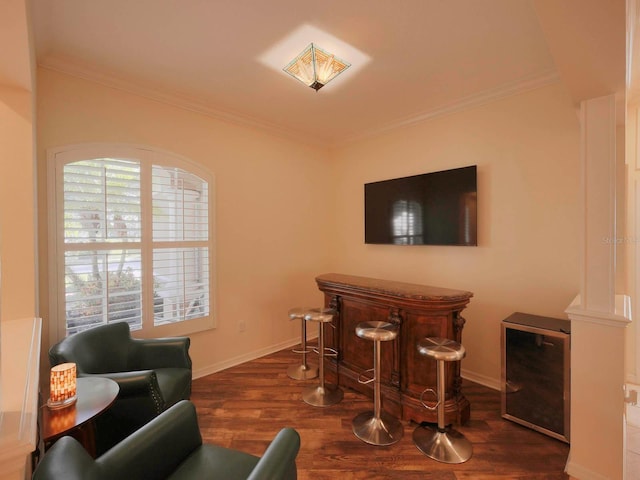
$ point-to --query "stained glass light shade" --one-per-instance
(316, 67)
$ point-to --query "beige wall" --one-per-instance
(17, 188)
(17, 227)
(273, 207)
(18, 306)
(527, 151)
(287, 212)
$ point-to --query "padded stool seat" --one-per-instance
(377, 427)
(443, 443)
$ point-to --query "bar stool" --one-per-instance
(303, 371)
(322, 395)
(376, 427)
(443, 443)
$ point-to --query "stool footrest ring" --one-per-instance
(328, 352)
(361, 377)
(434, 393)
(295, 350)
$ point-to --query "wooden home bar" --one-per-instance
(420, 311)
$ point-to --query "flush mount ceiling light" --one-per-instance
(316, 67)
(290, 45)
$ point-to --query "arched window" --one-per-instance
(132, 240)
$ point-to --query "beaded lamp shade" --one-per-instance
(62, 385)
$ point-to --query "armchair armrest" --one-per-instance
(69, 460)
(278, 461)
(134, 384)
(150, 353)
(156, 449)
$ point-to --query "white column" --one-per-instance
(598, 316)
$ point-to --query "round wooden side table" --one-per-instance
(95, 395)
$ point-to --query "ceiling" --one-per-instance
(424, 57)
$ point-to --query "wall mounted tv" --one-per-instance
(438, 208)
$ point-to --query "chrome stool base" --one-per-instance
(448, 446)
(322, 395)
(302, 372)
(385, 430)
(440, 442)
(376, 427)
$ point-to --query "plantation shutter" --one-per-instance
(180, 253)
(102, 231)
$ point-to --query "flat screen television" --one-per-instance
(438, 208)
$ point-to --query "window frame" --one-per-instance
(148, 156)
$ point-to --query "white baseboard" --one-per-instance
(246, 357)
(481, 379)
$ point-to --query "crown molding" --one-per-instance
(96, 75)
(508, 89)
(159, 94)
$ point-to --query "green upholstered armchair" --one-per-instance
(170, 447)
(153, 374)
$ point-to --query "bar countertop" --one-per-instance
(393, 288)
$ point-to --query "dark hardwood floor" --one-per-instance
(243, 408)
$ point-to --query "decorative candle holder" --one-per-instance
(63, 386)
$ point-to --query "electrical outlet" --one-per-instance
(242, 325)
